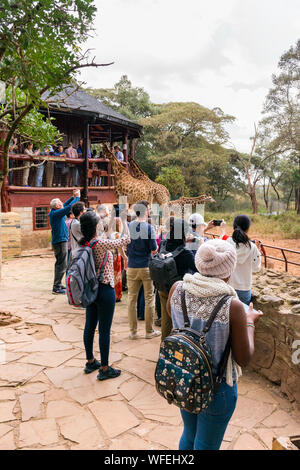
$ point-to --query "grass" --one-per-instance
(286, 225)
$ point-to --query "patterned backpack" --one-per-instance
(183, 374)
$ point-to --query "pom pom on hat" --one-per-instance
(216, 258)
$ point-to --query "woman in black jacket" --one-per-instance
(184, 263)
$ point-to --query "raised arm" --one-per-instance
(242, 332)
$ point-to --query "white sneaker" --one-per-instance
(153, 334)
(133, 336)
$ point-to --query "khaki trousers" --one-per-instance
(166, 321)
(135, 278)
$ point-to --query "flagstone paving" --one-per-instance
(47, 402)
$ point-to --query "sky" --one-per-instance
(219, 53)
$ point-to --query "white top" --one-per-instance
(248, 262)
(76, 235)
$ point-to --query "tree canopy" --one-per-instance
(40, 51)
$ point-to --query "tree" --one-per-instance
(40, 54)
(172, 178)
(133, 102)
(281, 125)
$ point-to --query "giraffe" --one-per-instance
(191, 200)
(161, 194)
(125, 184)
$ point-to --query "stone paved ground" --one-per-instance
(47, 402)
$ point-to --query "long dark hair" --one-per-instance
(240, 225)
(88, 226)
(177, 234)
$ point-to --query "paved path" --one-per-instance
(47, 402)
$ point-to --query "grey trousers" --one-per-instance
(61, 254)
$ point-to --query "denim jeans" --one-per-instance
(244, 296)
(205, 431)
(61, 254)
(100, 312)
(39, 176)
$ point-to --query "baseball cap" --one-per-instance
(196, 219)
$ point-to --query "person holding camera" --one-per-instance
(101, 312)
(248, 257)
(198, 227)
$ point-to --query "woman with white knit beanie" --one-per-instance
(215, 261)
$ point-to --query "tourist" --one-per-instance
(11, 149)
(71, 153)
(61, 169)
(40, 170)
(102, 310)
(119, 155)
(118, 254)
(248, 257)
(175, 240)
(69, 219)
(198, 227)
(215, 261)
(60, 235)
(49, 165)
(139, 251)
(75, 232)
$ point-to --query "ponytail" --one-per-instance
(240, 225)
(88, 226)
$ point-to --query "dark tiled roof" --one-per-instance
(82, 101)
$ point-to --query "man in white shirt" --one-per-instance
(78, 209)
(119, 154)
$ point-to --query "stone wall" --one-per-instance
(278, 296)
(10, 235)
(26, 218)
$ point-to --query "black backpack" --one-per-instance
(163, 269)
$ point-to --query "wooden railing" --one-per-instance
(266, 256)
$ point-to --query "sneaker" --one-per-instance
(58, 290)
(133, 336)
(109, 373)
(92, 366)
(153, 334)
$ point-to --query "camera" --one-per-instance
(217, 223)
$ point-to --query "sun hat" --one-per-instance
(216, 258)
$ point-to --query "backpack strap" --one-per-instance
(103, 264)
(214, 313)
(184, 310)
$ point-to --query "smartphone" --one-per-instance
(217, 223)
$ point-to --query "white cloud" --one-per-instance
(218, 53)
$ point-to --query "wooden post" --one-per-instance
(86, 166)
(125, 146)
(132, 147)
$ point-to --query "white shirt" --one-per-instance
(248, 262)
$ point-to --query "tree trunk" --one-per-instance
(253, 202)
(297, 200)
(289, 198)
(266, 194)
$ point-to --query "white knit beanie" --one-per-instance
(216, 258)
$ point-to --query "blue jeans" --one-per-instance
(244, 296)
(100, 312)
(39, 176)
(141, 304)
(205, 431)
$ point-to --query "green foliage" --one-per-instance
(40, 53)
(172, 178)
(132, 102)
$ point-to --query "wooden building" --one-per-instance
(77, 116)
